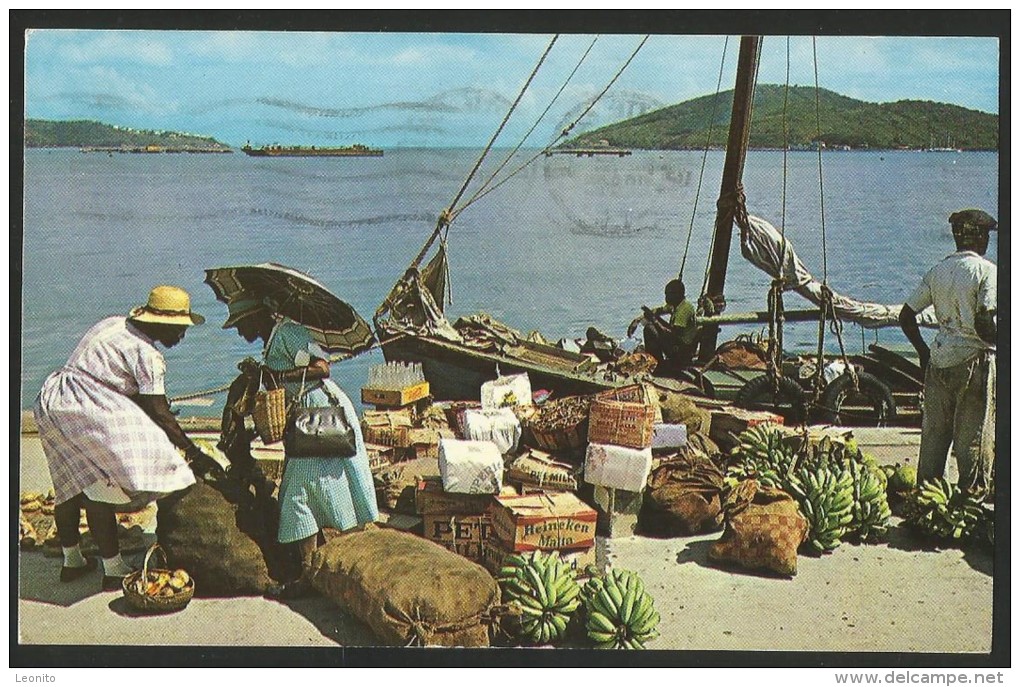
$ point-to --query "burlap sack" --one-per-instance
(410, 591)
(764, 529)
(228, 545)
(395, 484)
(678, 408)
(683, 497)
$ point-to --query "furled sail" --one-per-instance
(411, 307)
(762, 245)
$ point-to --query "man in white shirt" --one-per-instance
(959, 381)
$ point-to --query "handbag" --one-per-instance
(319, 432)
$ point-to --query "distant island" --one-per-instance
(845, 123)
(91, 136)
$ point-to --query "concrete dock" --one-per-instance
(889, 597)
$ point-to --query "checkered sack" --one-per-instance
(764, 529)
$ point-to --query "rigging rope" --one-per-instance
(478, 194)
(704, 157)
(777, 317)
(735, 201)
(818, 139)
(446, 216)
(828, 309)
(563, 134)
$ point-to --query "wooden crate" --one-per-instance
(395, 398)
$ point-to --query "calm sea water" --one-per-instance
(566, 244)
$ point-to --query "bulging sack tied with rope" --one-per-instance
(442, 599)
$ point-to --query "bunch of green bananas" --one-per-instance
(941, 509)
(763, 454)
(870, 511)
(543, 588)
(620, 614)
(826, 499)
(826, 454)
(902, 479)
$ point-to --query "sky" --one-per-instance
(450, 89)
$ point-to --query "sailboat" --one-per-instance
(458, 358)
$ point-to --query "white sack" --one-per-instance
(509, 390)
(617, 467)
(500, 426)
(470, 467)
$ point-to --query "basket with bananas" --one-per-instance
(158, 590)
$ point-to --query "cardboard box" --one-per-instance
(386, 427)
(430, 499)
(395, 398)
(729, 422)
(668, 436)
(380, 457)
(463, 534)
(538, 469)
(424, 442)
(493, 554)
(548, 521)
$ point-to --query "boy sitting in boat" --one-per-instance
(673, 342)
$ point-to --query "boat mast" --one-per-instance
(733, 171)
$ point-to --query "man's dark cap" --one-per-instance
(973, 219)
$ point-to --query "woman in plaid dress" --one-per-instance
(315, 492)
(106, 428)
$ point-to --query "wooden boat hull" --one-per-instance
(456, 372)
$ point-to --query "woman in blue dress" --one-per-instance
(328, 491)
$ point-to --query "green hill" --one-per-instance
(843, 122)
(40, 133)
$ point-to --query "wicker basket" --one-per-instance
(563, 439)
(634, 393)
(155, 604)
(621, 423)
(270, 415)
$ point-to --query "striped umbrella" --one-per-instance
(334, 324)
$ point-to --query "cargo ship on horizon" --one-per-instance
(356, 150)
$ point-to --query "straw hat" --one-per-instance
(167, 305)
(242, 308)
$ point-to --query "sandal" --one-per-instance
(70, 574)
(298, 589)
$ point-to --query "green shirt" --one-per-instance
(683, 320)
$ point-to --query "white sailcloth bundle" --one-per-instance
(762, 245)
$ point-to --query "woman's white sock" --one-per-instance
(116, 567)
(73, 557)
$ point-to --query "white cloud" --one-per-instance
(142, 96)
(107, 46)
(428, 54)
